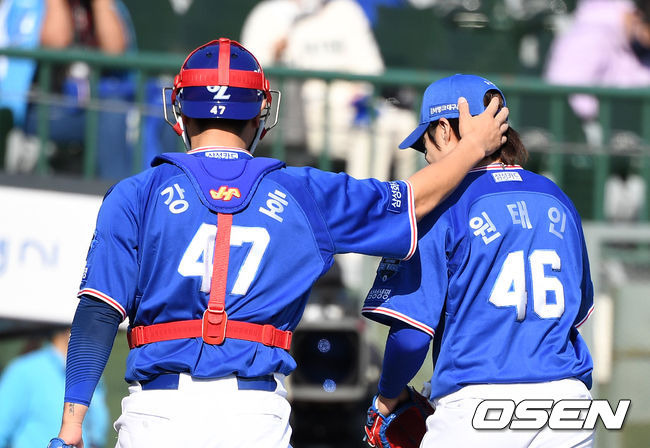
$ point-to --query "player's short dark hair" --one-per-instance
(512, 152)
(225, 124)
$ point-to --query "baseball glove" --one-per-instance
(403, 428)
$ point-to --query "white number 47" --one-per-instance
(197, 259)
(218, 109)
(510, 286)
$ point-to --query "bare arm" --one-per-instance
(73, 417)
(109, 28)
(57, 29)
(386, 405)
(480, 136)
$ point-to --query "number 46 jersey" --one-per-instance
(500, 280)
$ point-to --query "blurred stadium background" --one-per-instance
(48, 212)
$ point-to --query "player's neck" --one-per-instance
(488, 161)
(217, 137)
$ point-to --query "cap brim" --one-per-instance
(414, 140)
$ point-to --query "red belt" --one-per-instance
(212, 332)
(215, 326)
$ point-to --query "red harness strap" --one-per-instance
(215, 326)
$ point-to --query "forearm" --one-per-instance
(94, 328)
(73, 417)
(386, 405)
(109, 28)
(91, 339)
(406, 349)
(57, 28)
(432, 184)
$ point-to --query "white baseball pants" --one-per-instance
(451, 424)
(205, 414)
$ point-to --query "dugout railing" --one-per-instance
(540, 111)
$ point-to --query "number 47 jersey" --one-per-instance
(500, 279)
(152, 253)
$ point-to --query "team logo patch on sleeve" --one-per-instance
(388, 267)
(398, 196)
(93, 244)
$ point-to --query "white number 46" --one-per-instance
(510, 286)
(197, 259)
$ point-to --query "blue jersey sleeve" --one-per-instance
(111, 268)
(587, 288)
(413, 292)
(406, 349)
(363, 216)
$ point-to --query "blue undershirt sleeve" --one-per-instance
(94, 328)
(406, 349)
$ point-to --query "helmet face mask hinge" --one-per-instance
(178, 125)
(166, 110)
(273, 109)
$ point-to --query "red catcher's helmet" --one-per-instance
(221, 79)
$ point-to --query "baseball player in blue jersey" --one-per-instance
(211, 256)
(500, 282)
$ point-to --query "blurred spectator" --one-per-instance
(267, 42)
(624, 197)
(357, 129)
(31, 388)
(607, 44)
(335, 35)
(103, 25)
(371, 7)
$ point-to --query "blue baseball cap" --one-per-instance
(440, 100)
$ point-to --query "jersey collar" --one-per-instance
(222, 153)
(495, 166)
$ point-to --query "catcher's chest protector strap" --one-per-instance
(215, 327)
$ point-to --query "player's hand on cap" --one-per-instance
(59, 443)
(486, 129)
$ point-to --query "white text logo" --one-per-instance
(535, 414)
